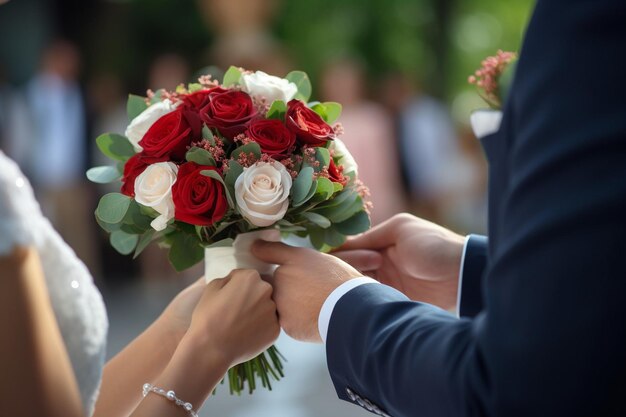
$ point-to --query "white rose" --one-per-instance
(269, 87)
(140, 124)
(345, 157)
(153, 188)
(262, 193)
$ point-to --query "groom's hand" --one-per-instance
(302, 282)
(419, 258)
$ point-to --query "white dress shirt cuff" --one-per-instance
(329, 305)
(460, 285)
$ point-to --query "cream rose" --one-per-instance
(260, 84)
(345, 157)
(153, 188)
(262, 193)
(140, 124)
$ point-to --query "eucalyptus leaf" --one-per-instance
(107, 227)
(232, 77)
(193, 87)
(323, 156)
(123, 242)
(144, 241)
(200, 156)
(250, 147)
(216, 176)
(333, 238)
(325, 188)
(103, 174)
(207, 134)
(317, 219)
(346, 210)
(113, 207)
(135, 106)
(302, 82)
(356, 224)
(277, 110)
(333, 111)
(234, 171)
(115, 146)
(302, 185)
(185, 251)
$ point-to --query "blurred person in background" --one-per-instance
(368, 133)
(437, 172)
(167, 71)
(243, 35)
(54, 151)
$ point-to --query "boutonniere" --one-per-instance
(493, 80)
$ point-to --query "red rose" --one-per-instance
(309, 127)
(172, 134)
(199, 200)
(229, 111)
(133, 168)
(199, 100)
(273, 137)
(335, 173)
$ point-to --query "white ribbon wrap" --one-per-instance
(220, 261)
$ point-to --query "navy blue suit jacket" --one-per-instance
(551, 337)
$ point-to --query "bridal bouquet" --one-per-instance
(202, 166)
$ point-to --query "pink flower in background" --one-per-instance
(487, 78)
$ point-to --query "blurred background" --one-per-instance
(399, 67)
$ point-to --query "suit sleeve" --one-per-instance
(551, 339)
(474, 263)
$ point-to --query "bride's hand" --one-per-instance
(235, 318)
(176, 317)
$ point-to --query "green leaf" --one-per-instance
(302, 185)
(123, 242)
(345, 211)
(250, 147)
(216, 176)
(309, 195)
(193, 87)
(135, 106)
(158, 94)
(115, 146)
(185, 251)
(302, 82)
(200, 156)
(317, 219)
(136, 217)
(323, 156)
(234, 171)
(338, 187)
(325, 188)
(333, 111)
(232, 77)
(103, 175)
(107, 227)
(207, 135)
(277, 110)
(144, 241)
(320, 238)
(356, 224)
(113, 207)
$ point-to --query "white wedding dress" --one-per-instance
(76, 301)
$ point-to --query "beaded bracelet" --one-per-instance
(170, 395)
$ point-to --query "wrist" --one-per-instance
(205, 350)
(169, 333)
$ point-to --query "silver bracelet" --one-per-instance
(170, 395)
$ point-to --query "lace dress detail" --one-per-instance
(76, 301)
